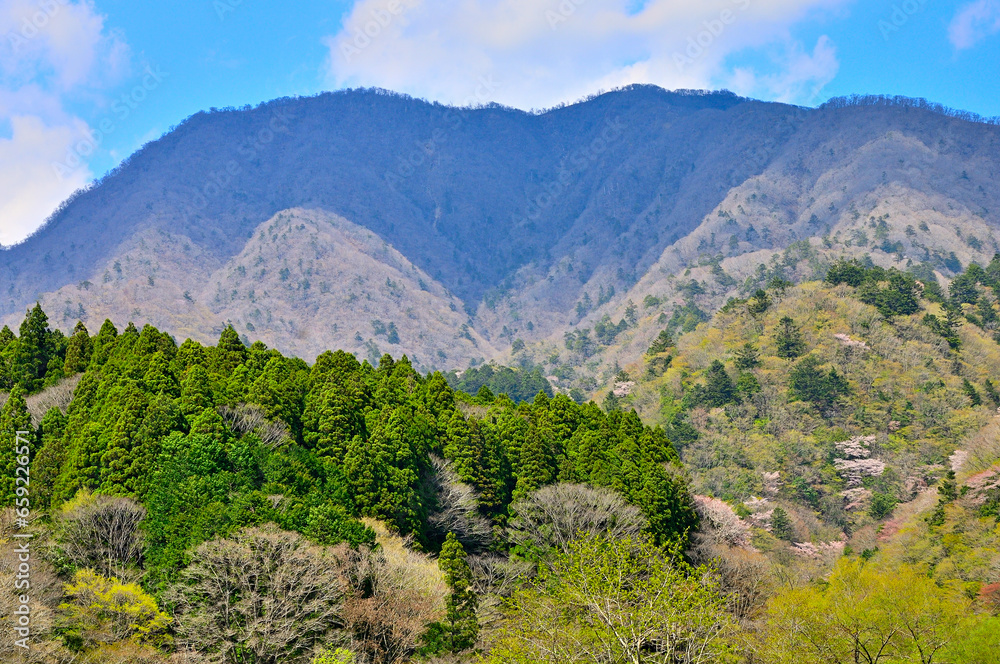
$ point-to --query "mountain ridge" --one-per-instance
(523, 215)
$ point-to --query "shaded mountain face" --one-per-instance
(493, 205)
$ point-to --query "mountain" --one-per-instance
(492, 233)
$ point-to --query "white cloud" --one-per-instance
(53, 53)
(802, 75)
(974, 22)
(544, 52)
(29, 191)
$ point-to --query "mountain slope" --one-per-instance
(306, 280)
(834, 410)
(523, 217)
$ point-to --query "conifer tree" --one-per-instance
(50, 457)
(334, 415)
(8, 342)
(33, 350)
(196, 391)
(666, 504)
(971, 392)
(719, 389)
(661, 344)
(189, 354)
(440, 397)
(788, 340)
(460, 628)
(103, 343)
(747, 357)
(535, 469)
(14, 418)
(229, 353)
(78, 351)
(6, 338)
(160, 378)
(83, 463)
(126, 413)
(458, 447)
(781, 524)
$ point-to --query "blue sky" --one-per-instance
(84, 83)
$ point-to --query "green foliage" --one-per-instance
(518, 384)
(808, 382)
(460, 628)
(338, 656)
(864, 614)
(78, 351)
(661, 344)
(781, 524)
(607, 600)
(101, 611)
(892, 292)
(971, 392)
(788, 339)
(747, 357)
(36, 357)
(882, 505)
(16, 442)
(719, 389)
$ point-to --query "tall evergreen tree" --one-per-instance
(536, 464)
(33, 351)
(719, 388)
(8, 342)
(14, 418)
(103, 343)
(788, 339)
(78, 351)
(747, 357)
(460, 627)
(229, 354)
(196, 391)
(50, 457)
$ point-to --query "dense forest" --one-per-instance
(167, 454)
(823, 488)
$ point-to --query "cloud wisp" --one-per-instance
(560, 50)
(53, 54)
(973, 23)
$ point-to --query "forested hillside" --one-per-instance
(229, 504)
(168, 454)
(856, 415)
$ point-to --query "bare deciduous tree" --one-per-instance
(247, 418)
(555, 515)
(58, 396)
(265, 596)
(102, 533)
(495, 578)
(746, 576)
(457, 508)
